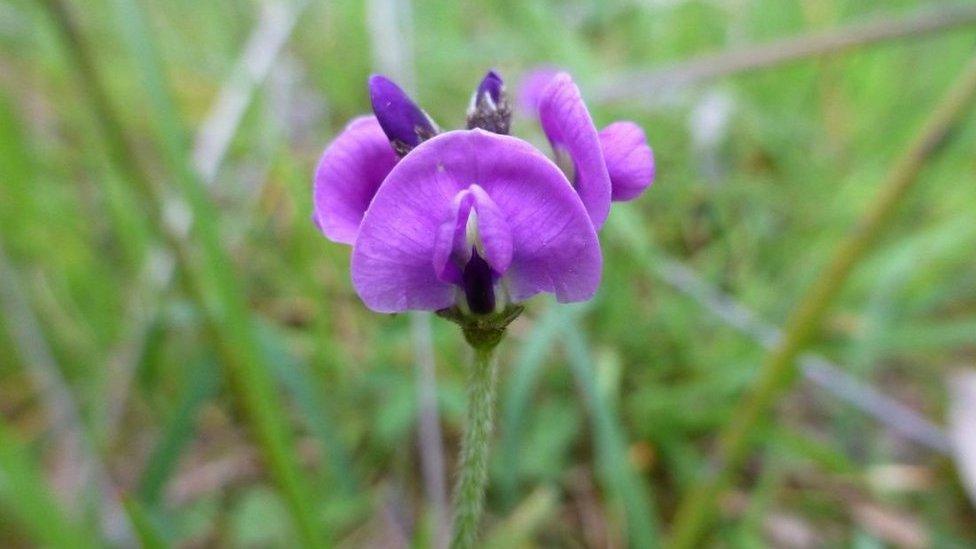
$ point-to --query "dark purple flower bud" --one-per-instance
(478, 282)
(490, 108)
(492, 85)
(405, 124)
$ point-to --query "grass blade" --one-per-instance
(523, 378)
(203, 386)
(816, 369)
(147, 532)
(778, 370)
(610, 443)
(204, 266)
(299, 378)
(219, 291)
(85, 467)
(26, 497)
(654, 84)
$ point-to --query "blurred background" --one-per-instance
(183, 360)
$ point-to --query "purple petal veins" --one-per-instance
(405, 124)
(568, 125)
(348, 174)
(519, 215)
(630, 161)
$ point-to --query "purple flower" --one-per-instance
(474, 218)
(630, 162)
(576, 144)
(350, 171)
(615, 163)
(405, 124)
(463, 199)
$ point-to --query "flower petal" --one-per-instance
(453, 243)
(495, 239)
(530, 91)
(348, 174)
(554, 245)
(451, 251)
(406, 124)
(472, 252)
(568, 125)
(629, 159)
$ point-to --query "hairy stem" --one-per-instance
(469, 493)
(778, 370)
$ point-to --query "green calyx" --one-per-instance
(482, 332)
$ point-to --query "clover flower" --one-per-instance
(475, 219)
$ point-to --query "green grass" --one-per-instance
(27, 498)
(259, 362)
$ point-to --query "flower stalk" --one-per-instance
(472, 480)
(483, 333)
